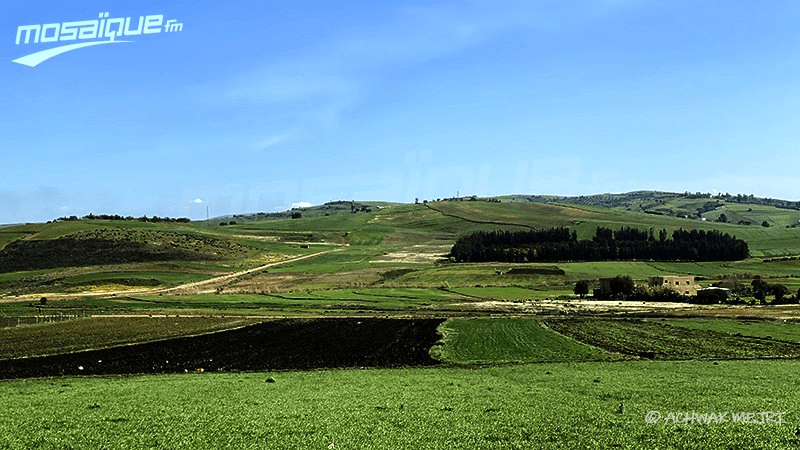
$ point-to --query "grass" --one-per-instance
(656, 340)
(506, 340)
(10, 236)
(134, 278)
(498, 293)
(334, 261)
(386, 300)
(98, 332)
(551, 406)
(344, 301)
(778, 330)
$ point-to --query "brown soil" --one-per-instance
(291, 344)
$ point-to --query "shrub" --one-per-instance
(582, 288)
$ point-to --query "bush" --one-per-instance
(622, 286)
(780, 292)
(657, 294)
(582, 288)
(711, 296)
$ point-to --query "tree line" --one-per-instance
(154, 219)
(562, 244)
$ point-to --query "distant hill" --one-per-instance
(685, 205)
(331, 208)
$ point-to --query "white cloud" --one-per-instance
(197, 201)
(301, 205)
(273, 140)
(314, 89)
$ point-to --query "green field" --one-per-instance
(654, 339)
(557, 406)
(490, 341)
(780, 330)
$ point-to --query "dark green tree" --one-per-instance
(622, 286)
(780, 292)
(760, 288)
(581, 288)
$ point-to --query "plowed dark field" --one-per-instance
(292, 344)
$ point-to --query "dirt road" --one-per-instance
(198, 287)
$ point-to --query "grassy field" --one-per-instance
(778, 330)
(98, 332)
(323, 302)
(491, 341)
(653, 339)
(556, 406)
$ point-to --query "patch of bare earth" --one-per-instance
(267, 283)
(606, 307)
(417, 254)
(291, 344)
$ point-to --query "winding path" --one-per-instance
(207, 286)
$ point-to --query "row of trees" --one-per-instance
(562, 244)
(154, 219)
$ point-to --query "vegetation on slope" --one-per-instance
(113, 246)
(562, 244)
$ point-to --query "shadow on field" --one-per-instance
(290, 344)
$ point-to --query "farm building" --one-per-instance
(682, 284)
(605, 288)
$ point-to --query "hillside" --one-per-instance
(369, 245)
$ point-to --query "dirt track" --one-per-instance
(198, 287)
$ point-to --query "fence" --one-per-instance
(15, 321)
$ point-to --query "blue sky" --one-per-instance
(258, 105)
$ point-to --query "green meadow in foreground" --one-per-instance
(555, 405)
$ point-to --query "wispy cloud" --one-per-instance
(274, 140)
(317, 87)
